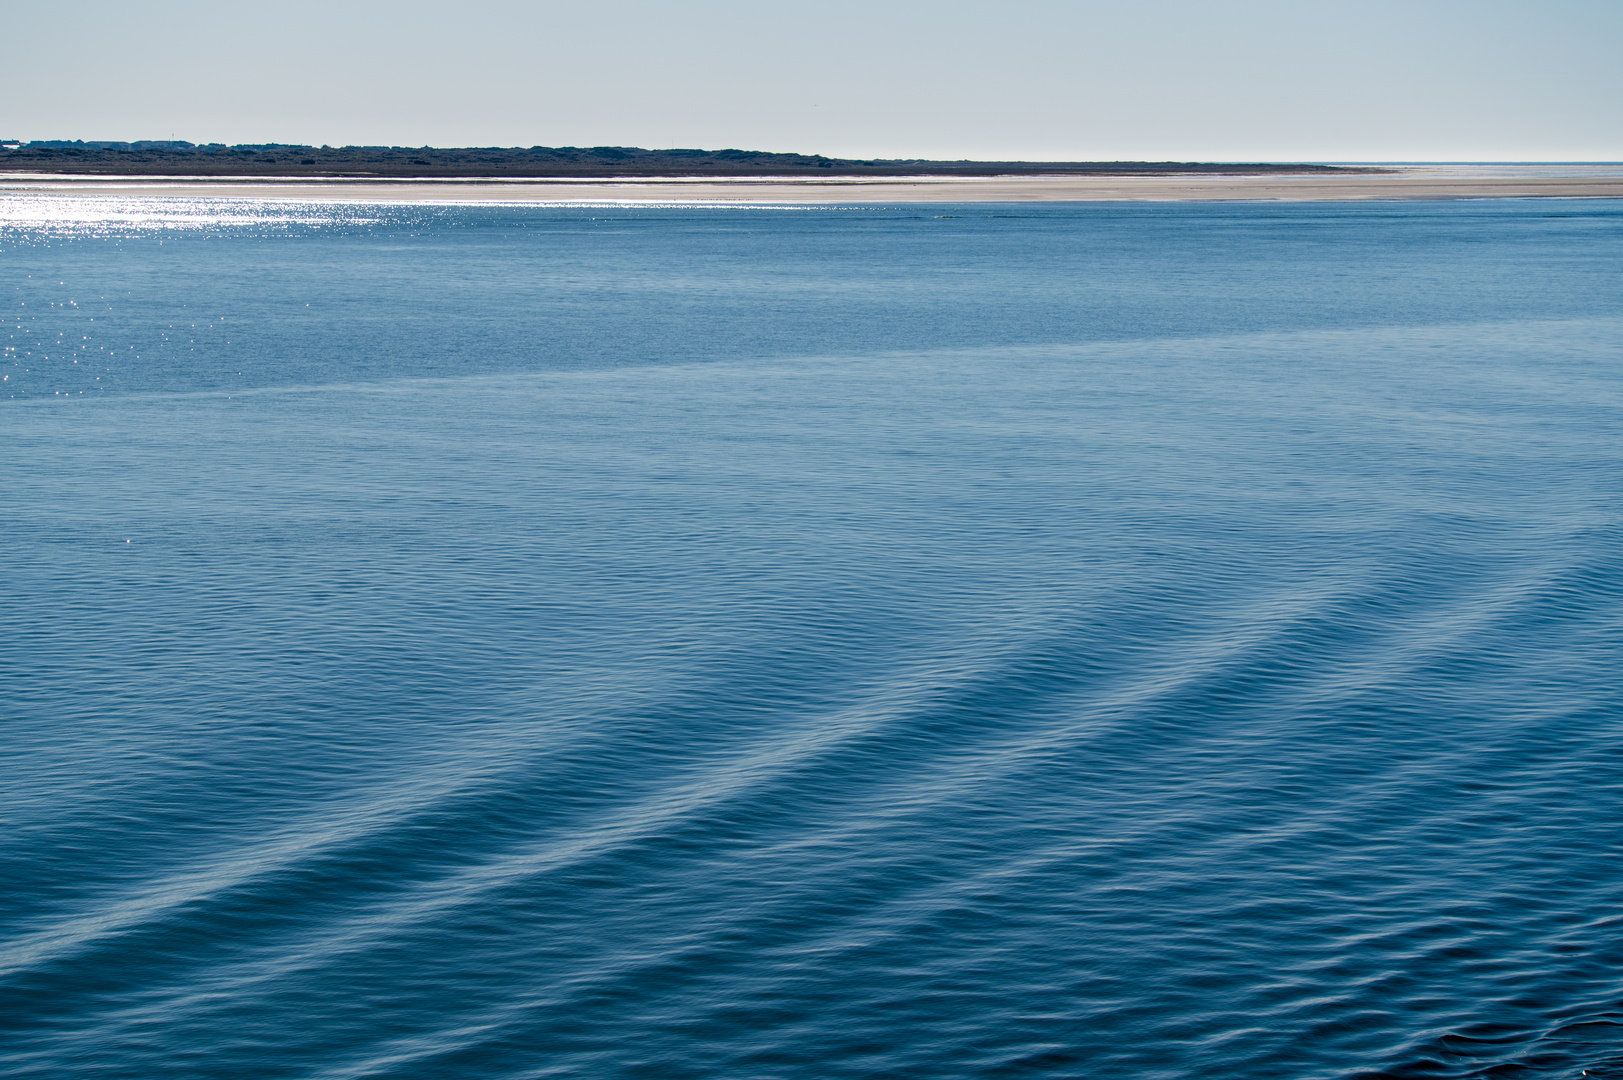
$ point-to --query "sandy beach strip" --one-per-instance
(1400, 184)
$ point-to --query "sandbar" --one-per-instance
(1425, 182)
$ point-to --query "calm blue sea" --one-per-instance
(1154, 642)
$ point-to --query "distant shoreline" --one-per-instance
(1407, 183)
(548, 163)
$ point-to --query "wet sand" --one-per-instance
(1425, 182)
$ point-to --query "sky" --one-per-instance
(1253, 80)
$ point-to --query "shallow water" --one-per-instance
(1112, 641)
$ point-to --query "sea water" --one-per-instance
(1141, 641)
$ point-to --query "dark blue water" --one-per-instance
(1158, 641)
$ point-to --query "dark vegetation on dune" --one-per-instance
(277, 159)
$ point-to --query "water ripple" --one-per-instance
(992, 697)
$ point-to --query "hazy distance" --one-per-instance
(1252, 80)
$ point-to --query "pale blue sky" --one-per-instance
(1252, 80)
